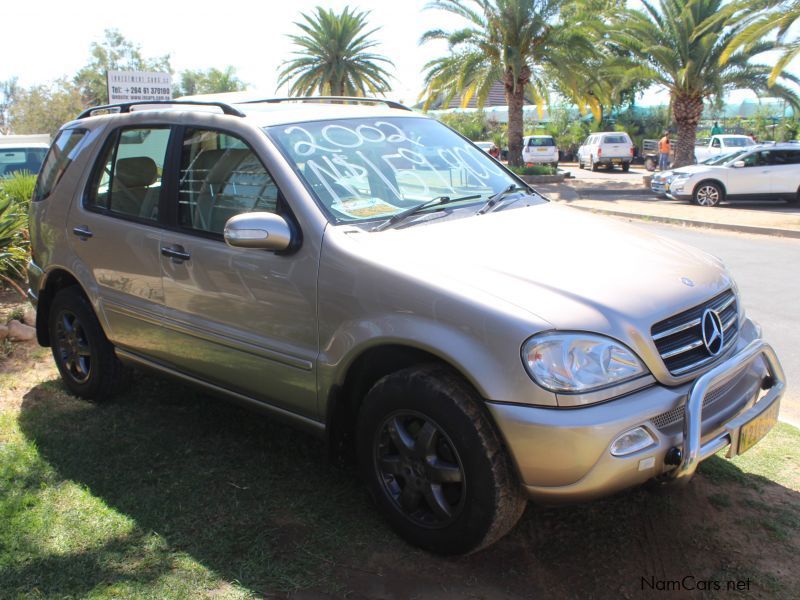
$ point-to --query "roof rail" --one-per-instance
(389, 103)
(125, 107)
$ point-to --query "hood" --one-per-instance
(691, 169)
(570, 268)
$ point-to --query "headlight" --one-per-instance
(579, 362)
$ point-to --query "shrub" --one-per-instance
(15, 197)
(533, 170)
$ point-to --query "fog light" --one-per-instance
(632, 441)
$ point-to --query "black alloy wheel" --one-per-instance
(83, 354)
(72, 346)
(434, 462)
(421, 470)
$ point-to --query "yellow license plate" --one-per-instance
(666, 187)
(751, 433)
(616, 161)
(541, 149)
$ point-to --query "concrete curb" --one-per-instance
(771, 231)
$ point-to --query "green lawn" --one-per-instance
(165, 493)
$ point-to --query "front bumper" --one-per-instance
(659, 186)
(563, 455)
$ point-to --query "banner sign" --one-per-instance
(131, 86)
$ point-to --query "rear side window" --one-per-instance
(616, 139)
(65, 148)
(220, 177)
(127, 179)
(17, 160)
(785, 157)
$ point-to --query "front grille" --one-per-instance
(679, 339)
(666, 419)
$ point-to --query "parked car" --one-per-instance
(659, 183)
(298, 260)
(22, 153)
(540, 150)
(760, 172)
(717, 145)
(608, 148)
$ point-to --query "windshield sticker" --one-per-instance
(365, 208)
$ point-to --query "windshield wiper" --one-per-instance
(403, 215)
(501, 195)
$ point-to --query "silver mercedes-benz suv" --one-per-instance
(366, 273)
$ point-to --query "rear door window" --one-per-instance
(65, 148)
(785, 157)
(127, 180)
(615, 139)
(539, 142)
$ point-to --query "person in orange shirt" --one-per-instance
(663, 152)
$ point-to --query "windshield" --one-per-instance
(737, 142)
(372, 168)
(541, 141)
(721, 160)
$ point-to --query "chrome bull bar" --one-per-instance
(692, 452)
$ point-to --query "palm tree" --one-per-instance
(334, 59)
(503, 40)
(763, 22)
(680, 46)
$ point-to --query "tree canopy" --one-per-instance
(335, 56)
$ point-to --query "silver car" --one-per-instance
(366, 273)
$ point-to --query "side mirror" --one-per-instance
(738, 164)
(264, 230)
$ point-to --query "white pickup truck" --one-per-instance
(717, 145)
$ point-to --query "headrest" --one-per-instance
(137, 171)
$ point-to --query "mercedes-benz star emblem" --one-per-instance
(713, 336)
(687, 281)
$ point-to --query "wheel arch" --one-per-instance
(344, 400)
(56, 280)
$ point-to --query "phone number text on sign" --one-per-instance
(133, 86)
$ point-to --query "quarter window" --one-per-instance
(63, 151)
(220, 178)
(128, 178)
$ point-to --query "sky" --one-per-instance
(47, 39)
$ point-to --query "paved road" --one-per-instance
(634, 175)
(766, 270)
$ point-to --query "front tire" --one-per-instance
(84, 356)
(708, 193)
(434, 463)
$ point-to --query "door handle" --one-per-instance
(177, 253)
(83, 232)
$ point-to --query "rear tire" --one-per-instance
(626, 167)
(84, 356)
(592, 166)
(434, 463)
(708, 193)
